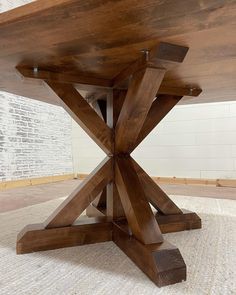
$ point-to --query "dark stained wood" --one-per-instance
(162, 263)
(178, 222)
(115, 208)
(35, 237)
(154, 193)
(80, 199)
(137, 209)
(142, 90)
(159, 109)
(84, 115)
(164, 55)
(54, 36)
(92, 84)
(115, 102)
(180, 91)
(82, 82)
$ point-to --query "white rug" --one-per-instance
(104, 269)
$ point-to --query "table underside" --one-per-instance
(118, 193)
(100, 38)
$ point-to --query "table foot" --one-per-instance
(36, 237)
(162, 262)
(178, 222)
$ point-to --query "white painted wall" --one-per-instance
(196, 141)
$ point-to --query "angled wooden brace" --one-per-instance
(84, 115)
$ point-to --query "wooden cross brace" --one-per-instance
(118, 193)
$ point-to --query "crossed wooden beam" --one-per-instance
(118, 193)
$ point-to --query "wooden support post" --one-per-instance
(137, 209)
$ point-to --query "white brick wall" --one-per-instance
(35, 139)
(10, 4)
(196, 141)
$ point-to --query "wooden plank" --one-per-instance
(141, 93)
(114, 105)
(180, 91)
(164, 55)
(35, 237)
(81, 197)
(162, 263)
(115, 208)
(84, 115)
(154, 193)
(159, 109)
(178, 222)
(101, 86)
(137, 209)
(82, 82)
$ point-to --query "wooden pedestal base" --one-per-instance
(119, 192)
(162, 262)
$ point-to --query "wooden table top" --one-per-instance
(99, 38)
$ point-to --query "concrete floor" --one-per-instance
(13, 199)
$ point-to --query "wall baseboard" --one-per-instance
(34, 181)
(197, 181)
(164, 180)
(187, 181)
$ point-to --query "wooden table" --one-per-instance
(117, 69)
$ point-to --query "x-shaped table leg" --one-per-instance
(118, 193)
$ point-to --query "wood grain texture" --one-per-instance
(163, 55)
(178, 222)
(84, 115)
(115, 102)
(81, 197)
(141, 93)
(82, 82)
(35, 237)
(137, 209)
(159, 109)
(154, 193)
(54, 36)
(162, 263)
(97, 87)
(115, 208)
